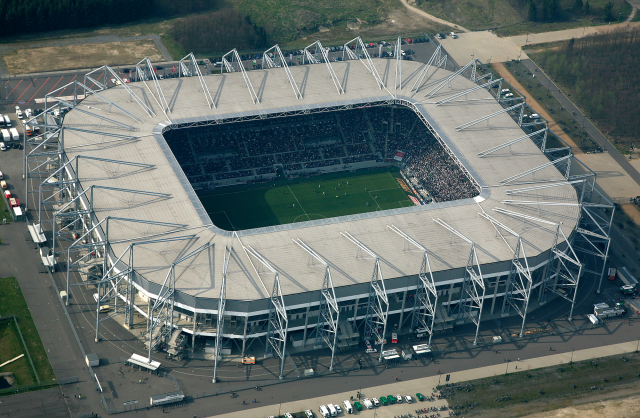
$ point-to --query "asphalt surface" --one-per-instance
(121, 384)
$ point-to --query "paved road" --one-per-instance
(580, 117)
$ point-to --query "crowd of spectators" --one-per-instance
(438, 173)
(255, 149)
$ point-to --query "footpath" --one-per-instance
(426, 385)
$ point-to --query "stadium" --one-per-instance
(451, 204)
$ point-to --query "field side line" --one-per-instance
(396, 181)
(294, 196)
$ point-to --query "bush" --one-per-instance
(218, 32)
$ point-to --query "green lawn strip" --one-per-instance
(4, 211)
(538, 388)
(12, 302)
(10, 348)
(298, 200)
(572, 127)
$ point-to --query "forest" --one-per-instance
(601, 73)
(27, 16)
(218, 32)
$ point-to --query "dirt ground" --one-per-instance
(36, 60)
(620, 404)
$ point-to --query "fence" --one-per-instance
(26, 388)
(68, 380)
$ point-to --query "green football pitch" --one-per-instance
(287, 201)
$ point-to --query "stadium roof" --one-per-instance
(246, 278)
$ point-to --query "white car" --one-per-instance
(3, 147)
(399, 398)
(408, 398)
(18, 112)
(338, 409)
(288, 415)
(503, 91)
(308, 413)
(375, 401)
(28, 112)
(534, 116)
(367, 403)
(508, 95)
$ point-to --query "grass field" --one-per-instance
(299, 200)
(549, 388)
(12, 302)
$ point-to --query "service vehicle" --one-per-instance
(375, 401)
(358, 406)
(28, 112)
(399, 398)
(420, 396)
(105, 308)
(19, 112)
(14, 134)
(627, 289)
(6, 136)
(249, 360)
(617, 310)
(367, 344)
(324, 411)
(7, 121)
(308, 413)
(408, 398)
(3, 184)
(7, 194)
(394, 338)
(391, 399)
(14, 202)
(384, 401)
(348, 407)
(367, 402)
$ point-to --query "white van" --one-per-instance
(6, 136)
(332, 410)
(324, 411)
(347, 407)
(15, 135)
(7, 121)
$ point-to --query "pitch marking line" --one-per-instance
(294, 196)
(225, 214)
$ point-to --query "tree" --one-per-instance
(532, 14)
(577, 6)
(607, 14)
(551, 10)
(586, 8)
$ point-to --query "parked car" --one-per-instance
(399, 398)
(384, 401)
(367, 402)
(375, 401)
(420, 396)
(358, 406)
(408, 398)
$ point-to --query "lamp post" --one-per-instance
(571, 361)
(507, 368)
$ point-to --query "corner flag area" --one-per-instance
(306, 199)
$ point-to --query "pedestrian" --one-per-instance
(516, 367)
(518, 358)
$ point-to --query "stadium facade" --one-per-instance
(124, 217)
